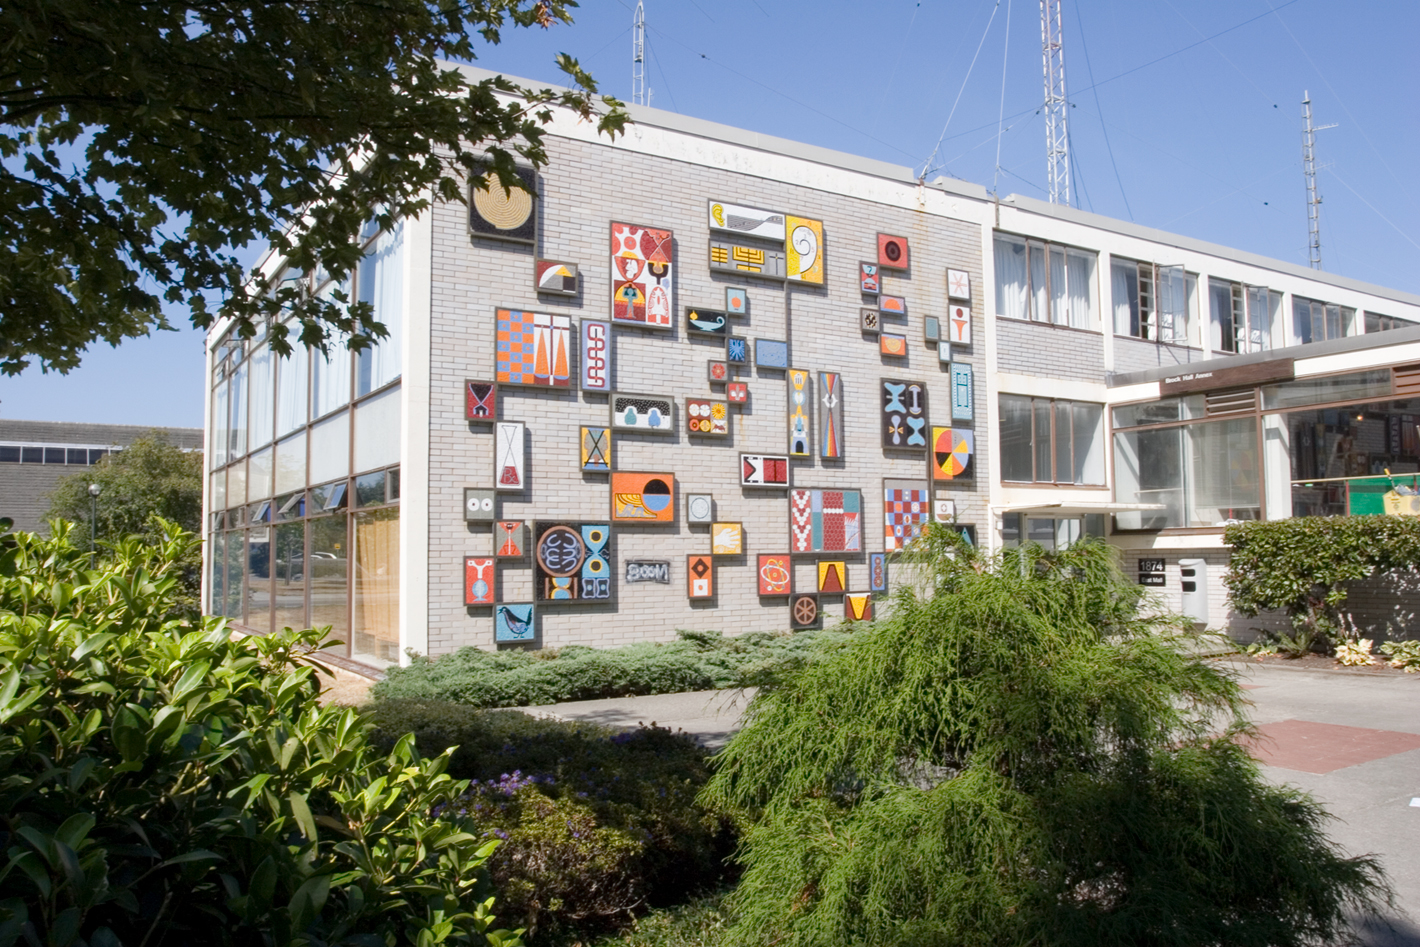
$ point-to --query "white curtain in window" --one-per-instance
(1173, 305)
(1058, 300)
(291, 382)
(382, 285)
(1124, 279)
(1010, 277)
(1038, 302)
(263, 392)
(1080, 269)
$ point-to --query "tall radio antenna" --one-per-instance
(1309, 168)
(638, 55)
(1057, 135)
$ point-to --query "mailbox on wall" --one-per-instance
(1193, 574)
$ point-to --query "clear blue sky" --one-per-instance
(1183, 129)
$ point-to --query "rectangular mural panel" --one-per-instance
(572, 562)
(800, 393)
(962, 406)
(648, 570)
(727, 539)
(737, 300)
(510, 539)
(951, 452)
(478, 505)
(907, 507)
(870, 321)
(533, 348)
(858, 606)
(707, 418)
(877, 572)
(771, 353)
(825, 520)
(480, 401)
(832, 576)
(505, 214)
(596, 355)
(959, 284)
(514, 622)
(699, 508)
(893, 345)
(638, 497)
(596, 449)
(904, 414)
(737, 392)
(892, 305)
(700, 577)
(647, 414)
(747, 221)
(776, 574)
(959, 324)
(728, 256)
(737, 350)
(699, 321)
(556, 277)
(803, 245)
(830, 414)
(642, 283)
(803, 610)
(892, 252)
(764, 470)
(870, 281)
(508, 437)
(717, 372)
(478, 580)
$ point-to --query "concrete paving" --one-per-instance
(1319, 721)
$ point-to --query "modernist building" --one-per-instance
(710, 379)
(36, 455)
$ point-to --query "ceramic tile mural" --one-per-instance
(478, 580)
(642, 497)
(870, 320)
(717, 372)
(700, 577)
(803, 246)
(514, 622)
(944, 511)
(641, 275)
(893, 345)
(951, 452)
(640, 571)
(736, 350)
(700, 321)
(830, 415)
(736, 300)
(962, 405)
(510, 539)
(877, 572)
(737, 392)
(596, 355)
(776, 574)
(800, 391)
(480, 401)
(931, 329)
(959, 324)
(825, 520)
(832, 576)
(858, 606)
(478, 505)
(648, 414)
(803, 610)
(771, 353)
(892, 305)
(727, 539)
(869, 279)
(707, 418)
(572, 562)
(734, 257)
(892, 252)
(959, 284)
(555, 277)
(508, 454)
(533, 348)
(904, 414)
(596, 449)
(907, 508)
(746, 221)
(699, 508)
(505, 213)
(764, 470)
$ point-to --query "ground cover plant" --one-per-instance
(694, 661)
(596, 824)
(1018, 756)
(165, 782)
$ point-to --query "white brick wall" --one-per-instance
(585, 187)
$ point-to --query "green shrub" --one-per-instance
(1302, 566)
(595, 823)
(699, 922)
(1021, 758)
(695, 661)
(169, 783)
(1403, 654)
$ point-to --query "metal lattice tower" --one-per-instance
(1057, 136)
(638, 56)
(1309, 168)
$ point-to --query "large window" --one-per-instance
(1051, 532)
(1045, 282)
(1049, 441)
(1316, 321)
(1203, 474)
(1244, 318)
(1375, 322)
(1152, 302)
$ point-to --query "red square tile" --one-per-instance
(1322, 747)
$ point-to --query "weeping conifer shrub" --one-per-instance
(1020, 755)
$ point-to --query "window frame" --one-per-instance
(1046, 248)
(1051, 409)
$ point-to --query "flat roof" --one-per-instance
(699, 127)
(1354, 343)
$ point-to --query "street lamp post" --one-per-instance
(94, 491)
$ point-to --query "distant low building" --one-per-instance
(35, 455)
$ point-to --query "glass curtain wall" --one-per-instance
(295, 438)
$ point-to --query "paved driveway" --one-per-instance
(1351, 740)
